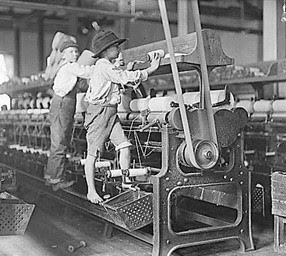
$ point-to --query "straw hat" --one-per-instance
(104, 39)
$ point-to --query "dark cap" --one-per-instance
(104, 39)
(67, 44)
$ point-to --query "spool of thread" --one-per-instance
(246, 104)
(262, 106)
(138, 105)
(46, 102)
(161, 104)
(279, 106)
(39, 103)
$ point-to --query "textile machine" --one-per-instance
(190, 184)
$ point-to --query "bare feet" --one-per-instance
(93, 197)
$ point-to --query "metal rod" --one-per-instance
(176, 78)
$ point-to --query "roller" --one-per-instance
(138, 105)
(279, 106)
(259, 116)
(161, 104)
(262, 106)
(279, 117)
(98, 164)
(158, 117)
(190, 98)
(132, 172)
(246, 104)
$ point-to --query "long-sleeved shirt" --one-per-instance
(67, 75)
(103, 86)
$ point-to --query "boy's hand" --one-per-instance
(130, 65)
(155, 63)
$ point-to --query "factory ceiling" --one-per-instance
(238, 15)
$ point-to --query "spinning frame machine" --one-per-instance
(190, 183)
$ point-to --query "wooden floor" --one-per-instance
(53, 226)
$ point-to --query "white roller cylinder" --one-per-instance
(246, 104)
(217, 96)
(132, 172)
(279, 116)
(279, 106)
(262, 106)
(137, 172)
(161, 104)
(114, 173)
(138, 105)
(191, 98)
(99, 164)
(158, 117)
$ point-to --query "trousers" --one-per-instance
(61, 116)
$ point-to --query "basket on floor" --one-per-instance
(131, 210)
(15, 215)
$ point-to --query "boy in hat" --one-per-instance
(62, 112)
(103, 96)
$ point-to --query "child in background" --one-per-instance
(62, 112)
(103, 96)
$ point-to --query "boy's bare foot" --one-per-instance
(93, 197)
